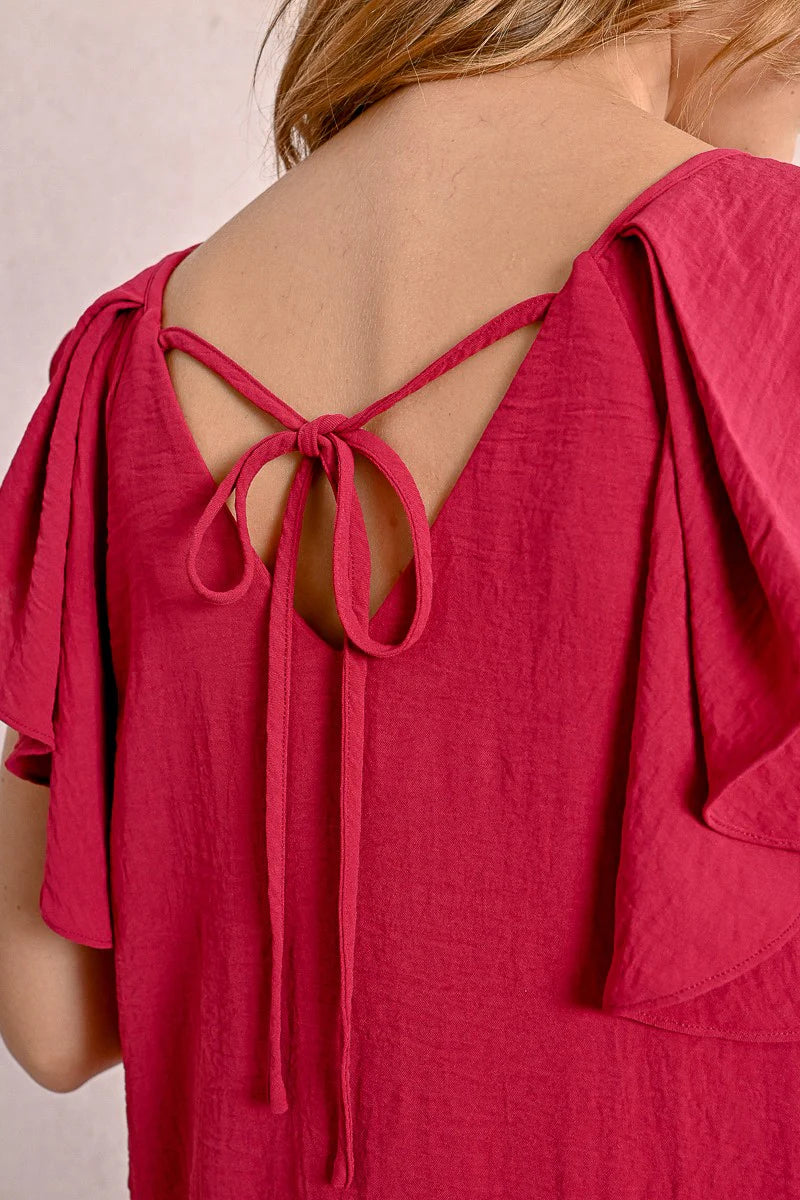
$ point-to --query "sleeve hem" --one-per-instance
(97, 943)
(22, 726)
(716, 1031)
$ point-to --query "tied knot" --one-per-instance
(310, 432)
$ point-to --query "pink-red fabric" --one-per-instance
(501, 899)
(331, 439)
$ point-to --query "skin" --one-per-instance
(385, 209)
(57, 998)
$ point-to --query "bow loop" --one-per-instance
(351, 553)
(238, 479)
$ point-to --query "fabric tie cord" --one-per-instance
(332, 439)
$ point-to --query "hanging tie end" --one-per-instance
(342, 1175)
(278, 1102)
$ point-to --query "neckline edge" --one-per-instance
(153, 300)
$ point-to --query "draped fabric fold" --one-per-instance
(57, 686)
(707, 911)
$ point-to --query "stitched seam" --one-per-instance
(676, 997)
(759, 841)
(100, 943)
(745, 1036)
(23, 726)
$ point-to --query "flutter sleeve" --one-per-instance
(707, 915)
(56, 678)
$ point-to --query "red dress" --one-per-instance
(501, 899)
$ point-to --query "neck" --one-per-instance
(757, 111)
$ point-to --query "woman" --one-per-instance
(426, 824)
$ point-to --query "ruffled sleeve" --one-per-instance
(707, 913)
(56, 677)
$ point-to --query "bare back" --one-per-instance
(435, 209)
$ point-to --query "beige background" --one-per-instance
(133, 133)
(129, 131)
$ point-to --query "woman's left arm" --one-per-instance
(58, 1008)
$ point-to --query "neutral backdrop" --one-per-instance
(133, 132)
(130, 130)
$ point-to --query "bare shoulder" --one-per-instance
(402, 191)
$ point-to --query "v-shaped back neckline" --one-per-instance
(526, 311)
(522, 311)
(515, 316)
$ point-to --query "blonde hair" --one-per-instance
(347, 54)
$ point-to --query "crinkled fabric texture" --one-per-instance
(577, 958)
